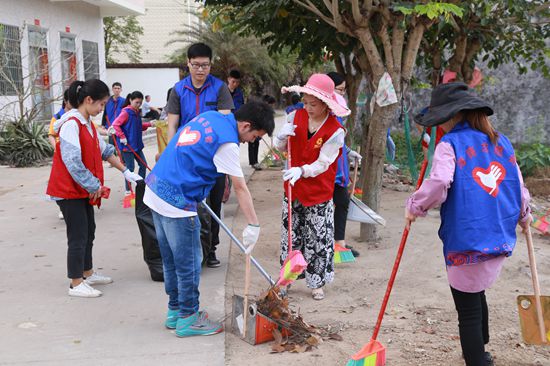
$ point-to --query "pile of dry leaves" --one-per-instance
(297, 335)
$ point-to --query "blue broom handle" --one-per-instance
(238, 243)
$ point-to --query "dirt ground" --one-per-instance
(420, 325)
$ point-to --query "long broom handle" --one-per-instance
(289, 197)
(396, 265)
(238, 243)
(536, 286)
(354, 178)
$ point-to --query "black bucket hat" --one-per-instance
(449, 99)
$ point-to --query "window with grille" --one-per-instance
(68, 60)
(90, 60)
(11, 75)
(39, 72)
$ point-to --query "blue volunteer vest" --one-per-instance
(479, 217)
(185, 172)
(238, 99)
(59, 113)
(342, 170)
(191, 103)
(112, 110)
(132, 130)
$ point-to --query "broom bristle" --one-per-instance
(343, 255)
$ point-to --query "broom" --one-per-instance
(343, 254)
(294, 263)
(374, 353)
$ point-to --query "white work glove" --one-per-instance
(111, 131)
(352, 155)
(250, 237)
(153, 123)
(286, 130)
(131, 176)
(293, 174)
(123, 141)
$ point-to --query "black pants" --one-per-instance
(210, 229)
(253, 148)
(473, 325)
(341, 206)
(79, 218)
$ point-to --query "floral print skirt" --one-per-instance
(313, 235)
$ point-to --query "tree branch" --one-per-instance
(386, 43)
(413, 44)
(356, 12)
(311, 7)
(398, 38)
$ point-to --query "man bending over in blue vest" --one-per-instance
(202, 150)
(198, 93)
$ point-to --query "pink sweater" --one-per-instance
(433, 192)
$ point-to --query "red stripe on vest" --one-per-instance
(61, 184)
(319, 189)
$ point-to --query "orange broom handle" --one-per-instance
(119, 155)
(289, 197)
(396, 263)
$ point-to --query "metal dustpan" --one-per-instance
(360, 212)
(534, 310)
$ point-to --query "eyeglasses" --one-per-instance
(200, 66)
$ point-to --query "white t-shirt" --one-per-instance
(145, 108)
(227, 161)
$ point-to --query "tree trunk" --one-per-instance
(373, 166)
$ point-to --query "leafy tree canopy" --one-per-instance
(121, 35)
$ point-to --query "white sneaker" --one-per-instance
(98, 279)
(84, 290)
(60, 215)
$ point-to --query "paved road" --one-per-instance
(41, 325)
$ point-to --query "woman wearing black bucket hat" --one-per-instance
(476, 179)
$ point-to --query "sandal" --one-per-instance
(317, 294)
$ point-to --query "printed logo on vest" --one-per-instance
(489, 179)
(318, 143)
(188, 137)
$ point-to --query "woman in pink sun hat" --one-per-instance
(316, 139)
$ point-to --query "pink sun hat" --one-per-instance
(322, 87)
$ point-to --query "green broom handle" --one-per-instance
(394, 271)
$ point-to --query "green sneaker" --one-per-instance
(172, 318)
(195, 325)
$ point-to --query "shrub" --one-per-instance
(24, 144)
(401, 157)
(533, 157)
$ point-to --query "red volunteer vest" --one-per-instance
(61, 184)
(319, 189)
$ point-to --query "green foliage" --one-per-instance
(401, 158)
(244, 52)
(24, 144)
(432, 10)
(532, 157)
(122, 35)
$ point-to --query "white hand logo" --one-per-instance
(490, 179)
(188, 137)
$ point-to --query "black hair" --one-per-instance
(336, 77)
(116, 83)
(136, 94)
(65, 98)
(269, 99)
(199, 50)
(259, 114)
(295, 98)
(168, 94)
(93, 88)
(235, 74)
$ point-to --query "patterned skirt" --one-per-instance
(313, 235)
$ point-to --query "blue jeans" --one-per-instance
(128, 158)
(181, 251)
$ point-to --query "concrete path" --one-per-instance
(41, 325)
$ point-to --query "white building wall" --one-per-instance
(149, 81)
(84, 21)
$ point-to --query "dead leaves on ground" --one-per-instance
(298, 336)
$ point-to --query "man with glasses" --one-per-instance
(195, 94)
